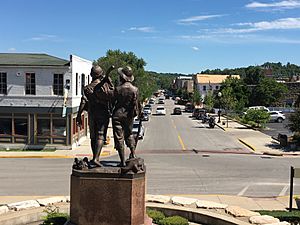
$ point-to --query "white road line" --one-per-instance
(242, 192)
(284, 190)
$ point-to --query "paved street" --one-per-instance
(189, 173)
(183, 156)
(179, 132)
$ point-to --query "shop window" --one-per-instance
(3, 83)
(58, 84)
(5, 126)
(30, 84)
(43, 127)
(204, 88)
(20, 126)
(59, 127)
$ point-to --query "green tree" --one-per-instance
(268, 92)
(260, 117)
(209, 100)
(239, 90)
(145, 82)
(294, 124)
(197, 99)
(228, 100)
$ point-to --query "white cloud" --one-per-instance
(142, 29)
(12, 49)
(280, 24)
(43, 37)
(195, 48)
(191, 20)
(287, 4)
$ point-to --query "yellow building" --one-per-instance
(209, 82)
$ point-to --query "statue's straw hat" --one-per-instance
(126, 73)
(96, 71)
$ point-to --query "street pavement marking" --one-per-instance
(181, 142)
(242, 192)
(284, 190)
(173, 123)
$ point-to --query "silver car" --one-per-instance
(277, 116)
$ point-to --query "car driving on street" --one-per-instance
(177, 111)
(160, 110)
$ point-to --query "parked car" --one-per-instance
(148, 106)
(177, 111)
(188, 107)
(277, 116)
(147, 110)
(197, 111)
(145, 116)
(160, 110)
(135, 129)
(259, 108)
(151, 101)
(201, 114)
(161, 101)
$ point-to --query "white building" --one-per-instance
(209, 82)
(39, 99)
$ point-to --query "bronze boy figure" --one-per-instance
(96, 100)
(126, 107)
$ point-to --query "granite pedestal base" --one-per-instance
(104, 196)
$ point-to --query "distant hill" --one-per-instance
(278, 70)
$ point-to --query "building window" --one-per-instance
(82, 82)
(59, 127)
(20, 126)
(30, 84)
(204, 88)
(217, 87)
(43, 127)
(58, 84)
(5, 126)
(3, 83)
(76, 83)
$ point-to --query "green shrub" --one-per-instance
(291, 217)
(54, 217)
(155, 215)
(260, 117)
(173, 220)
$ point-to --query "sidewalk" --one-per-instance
(82, 150)
(255, 140)
(276, 203)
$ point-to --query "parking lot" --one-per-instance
(273, 128)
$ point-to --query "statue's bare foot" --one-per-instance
(121, 164)
(96, 163)
(132, 156)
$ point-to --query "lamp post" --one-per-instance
(219, 112)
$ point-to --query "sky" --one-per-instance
(176, 36)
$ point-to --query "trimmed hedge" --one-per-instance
(174, 220)
(291, 217)
(160, 219)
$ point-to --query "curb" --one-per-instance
(103, 154)
(248, 145)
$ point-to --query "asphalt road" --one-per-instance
(182, 156)
(273, 129)
(180, 133)
(188, 173)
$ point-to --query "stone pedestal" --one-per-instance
(104, 196)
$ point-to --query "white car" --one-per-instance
(135, 129)
(160, 110)
(277, 116)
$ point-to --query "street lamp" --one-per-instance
(219, 112)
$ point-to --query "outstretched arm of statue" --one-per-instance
(82, 107)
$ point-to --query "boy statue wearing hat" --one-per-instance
(126, 107)
(96, 100)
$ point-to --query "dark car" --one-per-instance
(188, 107)
(177, 111)
(145, 117)
(198, 113)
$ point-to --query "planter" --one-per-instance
(297, 200)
